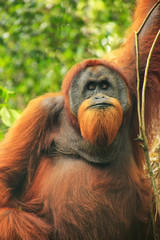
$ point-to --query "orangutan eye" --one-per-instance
(91, 86)
(104, 85)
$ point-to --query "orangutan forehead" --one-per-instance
(96, 70)
(96, 73)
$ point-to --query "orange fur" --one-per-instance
(60, 195)
(100, 126)
(16, 224)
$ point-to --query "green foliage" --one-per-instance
(7, 115)
(40, 40)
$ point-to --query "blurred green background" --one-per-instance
(40, 40)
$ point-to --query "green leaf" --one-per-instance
(8, 116)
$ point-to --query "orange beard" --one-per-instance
(98, 125)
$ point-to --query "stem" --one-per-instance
(145, 81)
(143, 127)
(138, 86)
